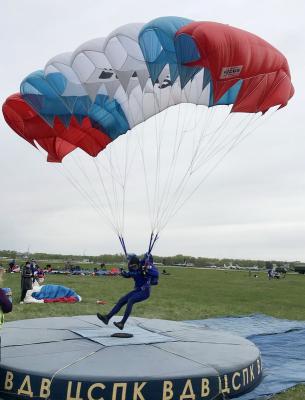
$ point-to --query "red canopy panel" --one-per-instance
(56, 148)
(232, 54)
(15, 112)
(58, 140)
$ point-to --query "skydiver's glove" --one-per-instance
(124, 273)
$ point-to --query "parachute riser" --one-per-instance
(153, 238)
(121, 239)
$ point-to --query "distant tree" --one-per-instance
(268, 265)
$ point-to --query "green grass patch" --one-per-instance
(185, 294)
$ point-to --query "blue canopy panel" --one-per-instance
(45, 96)
(40, 95)
(59, 83)
(229, 96)
(156, 40)
(187, 52)
(108, 116)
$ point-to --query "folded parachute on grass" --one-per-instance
(88, 98)
(51, 294)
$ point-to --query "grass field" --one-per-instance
(185, 294)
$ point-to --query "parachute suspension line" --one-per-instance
(141, 138)
(102, 207)
(202, 181)
(189, 172)
(142, 153)
(158, 164)
(201, 139)
(120, 192)
(118, 169)
(158, 201)
(194, 136)
(215, 135)
(109, 204)
(115, 178)
(127, 169)
(159, 122)
(211, 138)
(114, 191)
(105, 169)
(171, 173)
(60, 169)
(241, 128)
(65, 172)
(207, 174)
(68, 175)
(205, 158)
(173, 164)
(99, 209)
(157, 156)
(87, 179)
(141, 145)
(178, 139)
(236, 142)
(124, 182)
(181, 187)
(159, 136)
(110, 158)
(175, 195)
(213, 148)
(175, 151)
(263, 118)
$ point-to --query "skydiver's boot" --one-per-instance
(103, 318)
(119, 325)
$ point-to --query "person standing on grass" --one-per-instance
(6, 305)
(144, 274)
(26, 280)
(270, 273)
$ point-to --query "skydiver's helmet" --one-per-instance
(133, 262)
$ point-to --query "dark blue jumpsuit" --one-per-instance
(140, 293)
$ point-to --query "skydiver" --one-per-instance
(144, 274)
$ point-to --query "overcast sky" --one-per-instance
(252, 206)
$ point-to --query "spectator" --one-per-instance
(11, 266)
(39, 274)
(26, 280)
(49, 268)
(270, 273)
(5, 304)
(33, 269)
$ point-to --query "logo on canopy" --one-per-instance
(230, 72)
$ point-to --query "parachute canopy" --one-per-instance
(88, 98)
(166, 82)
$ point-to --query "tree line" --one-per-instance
(178, 259)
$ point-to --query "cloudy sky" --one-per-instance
(252, 206)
